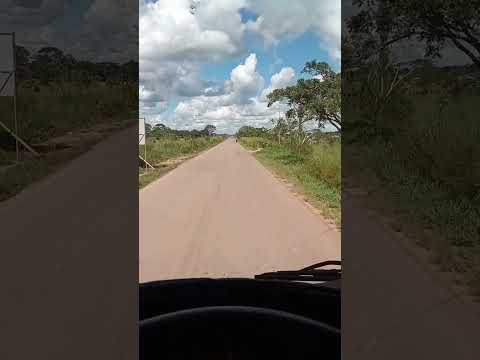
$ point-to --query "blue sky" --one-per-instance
(215, 65)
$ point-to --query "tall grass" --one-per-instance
(428, 172)
(165, 148)
(45, 112)
(324, 162)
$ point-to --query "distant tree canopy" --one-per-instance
(431, 21)
(161, 130)
(210, 130)
(148, 128)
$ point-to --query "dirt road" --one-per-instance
(223, 214)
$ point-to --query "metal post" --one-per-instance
(17, 147)
(18, 139)
(145, 137)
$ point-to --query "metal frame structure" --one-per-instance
(13, 72)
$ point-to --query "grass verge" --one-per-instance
(17, 177)
(315, 173)
(166, 153)
(148, 176)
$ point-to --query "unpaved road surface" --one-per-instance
(223, 214)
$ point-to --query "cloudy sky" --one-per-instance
(98, 30)
(216, 63)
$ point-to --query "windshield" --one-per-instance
(238, 177)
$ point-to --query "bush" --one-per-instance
(325, 163)
(255, 143)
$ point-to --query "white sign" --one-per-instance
(7, 65)
(141, 131)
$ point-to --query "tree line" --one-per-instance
(161, 130)
(50, 66)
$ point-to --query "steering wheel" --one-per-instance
(236, 332)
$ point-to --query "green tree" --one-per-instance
(22, 56)
(160, 130)
(250, 131)
(317, 99)
(434, 22)
(281, 129)
(326, 94)
(209, 130)
(148, 128)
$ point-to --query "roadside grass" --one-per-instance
(86, 115)
(315, 173)
(54, 111)
(148, 176)
(255, 143)
(165, 148)
(16, 178)
(165, 153)
(432, 184)
(7, 157)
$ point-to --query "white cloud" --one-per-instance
(244, 82)
(175, 41)
(151, 102)
(288, 19)
(111, 29)
(103, 30)
(30, 15)
(169, 31)
(243, 102)
(284, 78)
